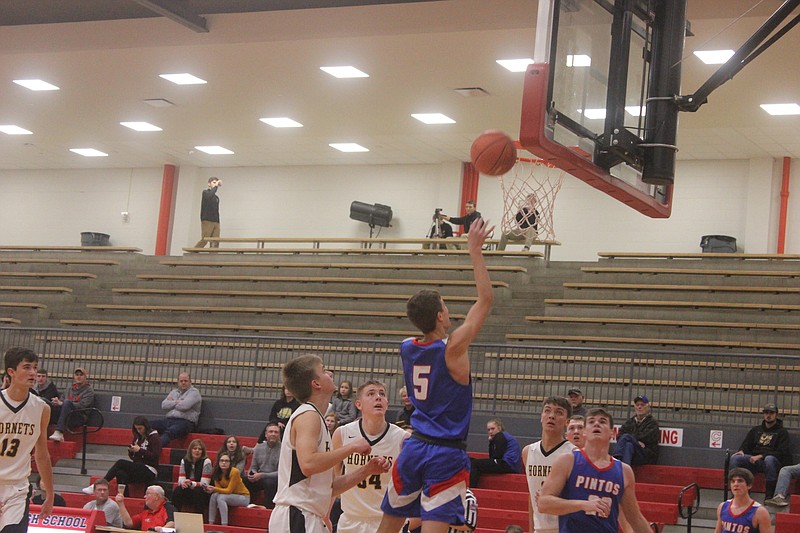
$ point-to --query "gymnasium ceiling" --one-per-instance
(261, 59)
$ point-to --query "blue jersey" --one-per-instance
(741, 523)
(442, 407)
(587, 482)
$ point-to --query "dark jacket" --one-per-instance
(646, 431)
(773, 441)
(149, 450)
(48, 392)
(504, 447)
(466, 220)
(209, 206)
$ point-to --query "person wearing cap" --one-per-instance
(576, 400)
(79, 396)
(766, 448)
(637, 441)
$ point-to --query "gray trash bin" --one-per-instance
(91, 238)
(720, 244)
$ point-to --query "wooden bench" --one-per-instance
(280, 294)
(688, 288)
(315, 279)
(237, 327)
(48, 275)
(57, 261)
(673, 303)
(257, 310)
(23, 305)
(357, 251)
(342, 266)
(692, 271)
(40, 290)
(9, 320)
(583, 339)
(681, 255)
(659, 322)
(35, 248)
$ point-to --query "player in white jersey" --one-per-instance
(539, 457)
(306, 483)
(361, 505)
(23, 430)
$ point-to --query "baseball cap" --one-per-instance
(771, 407)
(80, 370)
(574, 391)
(641, 398)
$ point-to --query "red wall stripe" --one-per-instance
(165, 212)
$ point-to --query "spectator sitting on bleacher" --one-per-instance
(765, 449)
(144, 452)
(741, 513)
(263, 473)
(283, 408)
(343, 405)
(785, 477)
(46, 390)
(576, 399)
(404, 415)
(194, 475)
(331, 422)
(227, 490)
(637, 441)
(182, 406)
(237, 452)
(80, 396)
(158, 512)
(102, 502)
(504, 454)
(575, 431)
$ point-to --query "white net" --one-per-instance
(529, 187)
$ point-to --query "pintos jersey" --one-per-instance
(587, 482)
(442, 407)
(363, 502)
(537, 467)
(312, 494)
(741, 523)
(20, 426)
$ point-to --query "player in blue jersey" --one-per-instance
(587, 487)
(430, 477)
(741, 514)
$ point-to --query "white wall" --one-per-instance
(739, 198)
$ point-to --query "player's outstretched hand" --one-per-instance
(378, 465)
(361, 446)
(478, 231)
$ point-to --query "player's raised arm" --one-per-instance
(458, 343)
(305, 435)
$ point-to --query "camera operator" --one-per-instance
(439, 230)
(467, 220)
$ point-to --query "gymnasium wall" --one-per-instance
(739, 198)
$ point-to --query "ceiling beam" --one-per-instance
(177, 12)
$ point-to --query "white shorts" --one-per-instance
(290, 519)
(356, 525)
(15, 503)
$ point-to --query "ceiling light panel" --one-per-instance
(781, 109)
(433, 118)
(37, 85)
(515, 65)
(714, 57)
(281, 122)
(344, 72)
(348, 147)
(141, 126)
(11, 129)
(579, 60)
(88, 152)
(183, 79)
(214, 150)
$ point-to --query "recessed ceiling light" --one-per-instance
(14, 130)
(579, 60)
(141, 126)
(781, 109)
(88, 152)
(214, 150)
(158, 102)
(37, 85)
(594, 114)
(515, 65)
(470, 92)
(345, 72)
(635, 110)
(183, 79)
(433, 118)
(348, 147)
(281, 122)
(714, 57)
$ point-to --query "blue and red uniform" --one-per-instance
(741, 523)
(430, 476)
(587, 482)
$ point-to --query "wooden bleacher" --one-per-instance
(315, 279)
(277, 294)
(705, 343)
(726, 272)
(46, 248)
(681, 255)
(332, 265)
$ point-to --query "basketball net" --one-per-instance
(531, 183)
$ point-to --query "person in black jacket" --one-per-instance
(505, 455)
(467, 219)
(766, 448)
(209, 213)
(637, 441)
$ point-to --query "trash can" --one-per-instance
(719, 244)
(92, 238)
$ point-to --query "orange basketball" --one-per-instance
(493, 153)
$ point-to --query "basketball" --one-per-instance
(493, 153)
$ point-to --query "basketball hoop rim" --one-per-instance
(531, 160)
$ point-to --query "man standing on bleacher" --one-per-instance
(765, 449)
(182, 406)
